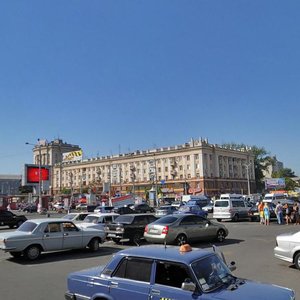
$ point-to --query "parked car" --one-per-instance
(103, 209)
(58, 206)
(230, 209)
(184, 228)
(123, 210)
(288, 248)
(191, 209)
(30, 208)
(98, 220)
(142, 208)
(253, 212)
(199, 202)
(42, 235)
(81, 206)
(177, 204)
(7, 218)
(157, 272)
(165, 210)
(129, 227)
(209, 207)
(76, 216)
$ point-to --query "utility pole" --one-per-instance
(248, 178)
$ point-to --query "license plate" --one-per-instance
(111, 235)
(153, 230)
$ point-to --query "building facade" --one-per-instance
(10, 184)
(194, 167)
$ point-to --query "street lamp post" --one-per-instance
(39, 208)
(248, 179)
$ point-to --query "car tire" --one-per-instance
(221, 235)
(235, 218)
(117, 241)
(181, 239)
(33, 252)
(297, 261)
(19, 223)
(94, 244)
(16, 254)
(136, 239)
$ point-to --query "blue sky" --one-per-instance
(127, 75)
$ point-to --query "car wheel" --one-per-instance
(16, 254)
(94, 244)
(221, 235)
(235, 218)
(19, 223)
(181, 239)
(297, 261)
(136, 239)
(33, 252)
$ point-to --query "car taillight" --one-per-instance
(146, 229)
(165, 230)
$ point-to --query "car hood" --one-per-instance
(288, 235)
(254, 290)
(91, 227)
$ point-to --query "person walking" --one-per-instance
(288, 214)
(279, 213)
(267, 214)
(260, 208)
(296, 213)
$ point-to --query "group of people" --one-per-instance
(285, 214)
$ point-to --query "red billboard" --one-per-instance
(32, 174)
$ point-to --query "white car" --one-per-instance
(75, 216)
(288, 248)
(98, 220)
(58, 206)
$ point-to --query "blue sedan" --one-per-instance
(192, 209)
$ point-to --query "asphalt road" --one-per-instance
(250, 245)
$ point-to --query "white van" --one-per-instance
(186, 198)
(230, 209)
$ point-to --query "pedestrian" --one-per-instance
(260, 208)
(288, 214)
(279, 213)
(267, 214)
(296, 213)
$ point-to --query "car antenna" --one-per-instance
(165, 243)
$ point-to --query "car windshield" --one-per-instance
(69, 216)
(91, 219)
(27, 226)
(212, 272)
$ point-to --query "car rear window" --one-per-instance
(166, 220)
(27, 226)
(124, 219)
(222, 203)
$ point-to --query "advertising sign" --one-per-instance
(72, 156)
(32, 175)
(274, 183)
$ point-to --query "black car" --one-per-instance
(129, 227)
(253, 212)
(123, 210)
(142, 208)
(7, 218)
(30, 208)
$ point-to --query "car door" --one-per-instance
(205, 229)
(72, 236)
(168, 280)
(189, 226)
(53, 237)
(128, 282)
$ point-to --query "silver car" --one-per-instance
(164, 210)
(41, 235)
(184, 228)
(288, 248)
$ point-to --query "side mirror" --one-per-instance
(188, 285)
(232, 266)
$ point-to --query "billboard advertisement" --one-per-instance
(72, 156)
(32, 174)
(274, 183)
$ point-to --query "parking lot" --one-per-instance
(249, 244)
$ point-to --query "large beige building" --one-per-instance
(193, 167)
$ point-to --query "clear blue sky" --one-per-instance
(127, 75)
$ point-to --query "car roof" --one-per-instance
(47, 220)
(103, 214)
(170, 253)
